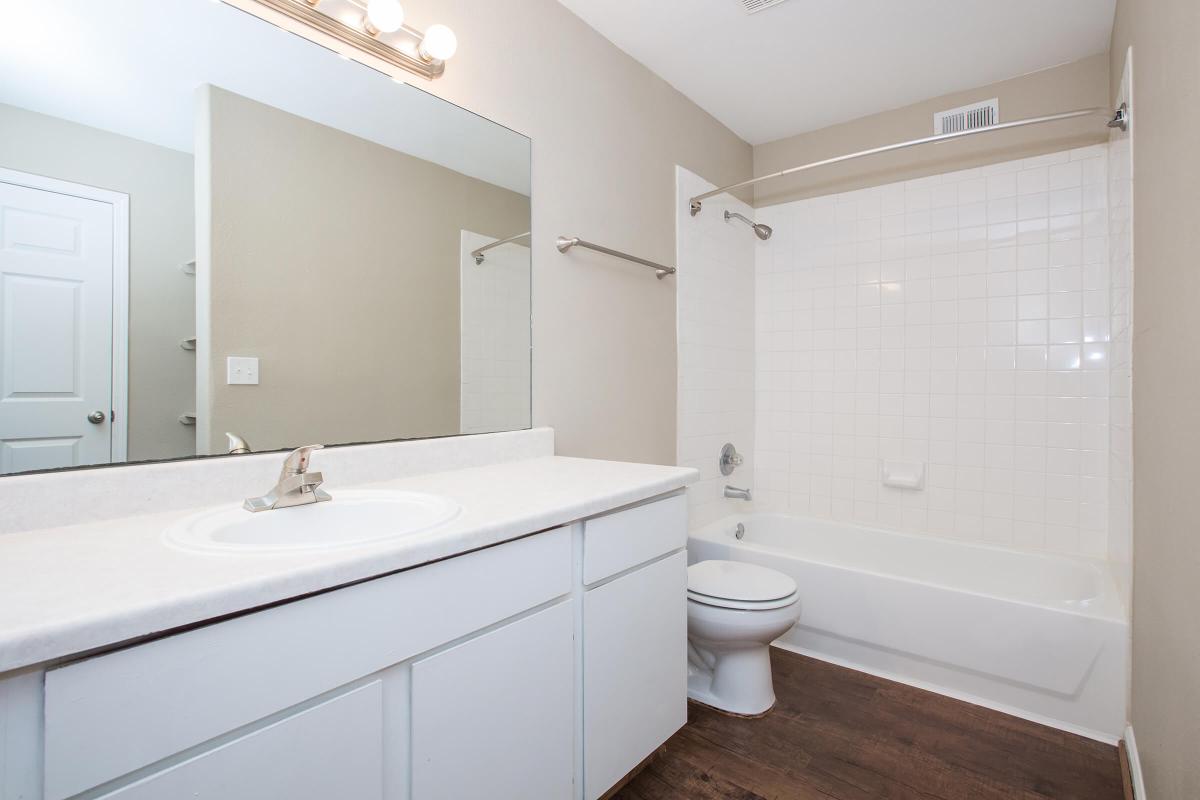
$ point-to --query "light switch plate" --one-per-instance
(241, 370)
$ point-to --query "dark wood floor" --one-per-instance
(836, 733)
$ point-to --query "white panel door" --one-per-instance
(56, 287)
(634, 669)
(493, 718)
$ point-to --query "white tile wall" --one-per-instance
(1120, 410)
(960, 320)
(715, 297)
(494, 354)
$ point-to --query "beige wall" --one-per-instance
(335, 261)
(1081, 84)
(607, 134)
(159, 184)
(1165, 36)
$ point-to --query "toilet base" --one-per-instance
(725, 713)
(734, 680)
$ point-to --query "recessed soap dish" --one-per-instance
(903, 474)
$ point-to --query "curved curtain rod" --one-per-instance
(478, 252)
(1117, 121)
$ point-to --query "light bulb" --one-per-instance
(439, 43)
(384, 15)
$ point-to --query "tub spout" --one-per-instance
(734, 493)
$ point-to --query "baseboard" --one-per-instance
(966, 697)
(1135, 765)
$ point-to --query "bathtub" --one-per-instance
(1043, 637)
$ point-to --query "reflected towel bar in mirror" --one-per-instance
(565, 243)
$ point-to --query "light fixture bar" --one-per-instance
(307, 12)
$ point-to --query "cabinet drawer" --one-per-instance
(334, 749)
(624, 539)
(107, 716)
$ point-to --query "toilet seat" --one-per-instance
(742, 605)
(737, 585)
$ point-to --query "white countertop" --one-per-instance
(72, 589)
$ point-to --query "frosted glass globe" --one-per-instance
(386, 15)
(439, 42)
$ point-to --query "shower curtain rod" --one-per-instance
(478, 252)
(1120, 120)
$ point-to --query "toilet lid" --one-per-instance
(738, 581)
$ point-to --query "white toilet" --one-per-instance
(735, 611)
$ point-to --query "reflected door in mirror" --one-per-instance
(56, 312)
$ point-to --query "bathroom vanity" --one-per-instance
(514, 659)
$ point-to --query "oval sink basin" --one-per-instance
(352, 518)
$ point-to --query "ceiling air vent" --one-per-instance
(966, 118)
(754, 6)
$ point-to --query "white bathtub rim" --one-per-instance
(711, 533)
(1053, 555)
(1086, 614)
(955, 694)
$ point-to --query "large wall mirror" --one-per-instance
(212, 227)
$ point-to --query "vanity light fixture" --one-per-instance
(377, 28)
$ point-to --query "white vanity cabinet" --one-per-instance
(635, 637)
(545, 667)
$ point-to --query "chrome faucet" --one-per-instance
(734, 493)
(296, 486)
(237, 444)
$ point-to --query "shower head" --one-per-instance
(761, 231)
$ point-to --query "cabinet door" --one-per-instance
(494, 716)
(634, 669)
(334, 749)
(108, 716)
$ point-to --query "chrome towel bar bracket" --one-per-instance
(565, 243)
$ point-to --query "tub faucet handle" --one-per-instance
(731, 459)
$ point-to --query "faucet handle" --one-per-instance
(297, 461)
(730, 459)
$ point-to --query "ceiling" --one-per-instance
(132, 67)
(807, 64)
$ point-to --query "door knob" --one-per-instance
(96, 417)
